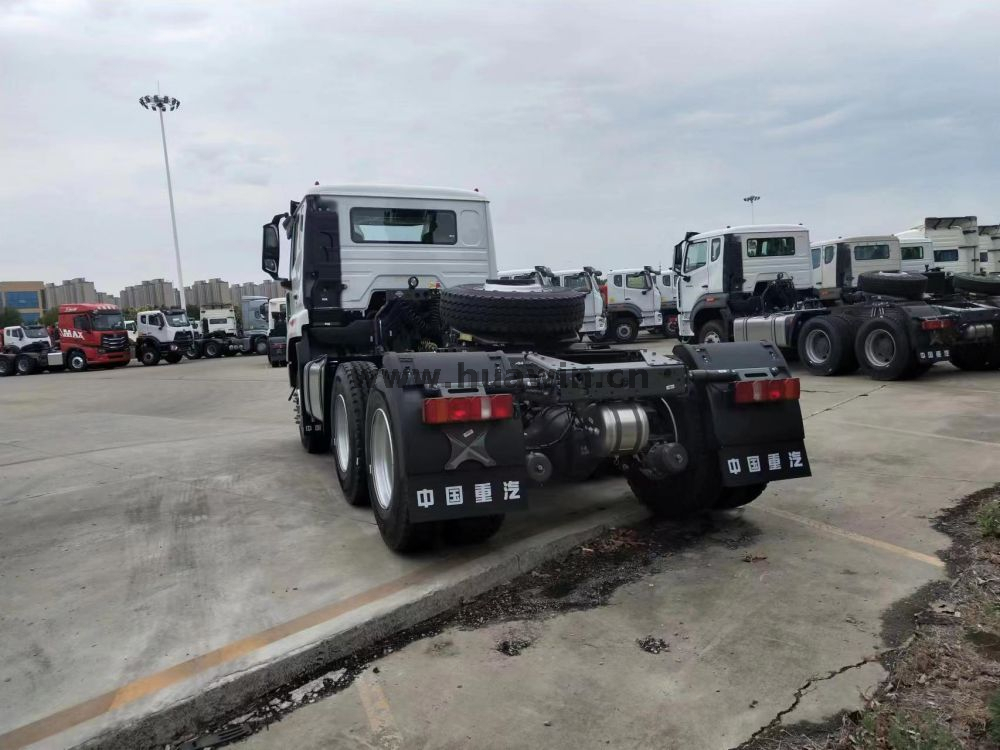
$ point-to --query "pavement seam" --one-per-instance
(845, 401)
(915, 433)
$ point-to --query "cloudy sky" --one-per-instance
(600, 131)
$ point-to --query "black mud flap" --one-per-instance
(456, 470)
(761, 442)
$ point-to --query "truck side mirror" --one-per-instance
(270, 252)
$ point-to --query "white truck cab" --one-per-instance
(162, 334)
(843, 260)
(916, 254)
(541, 275)
(989, 248)
(221, 319)
(131, 330)
(955, 242)
(724, 265)
(16, 338)
(666, 282)
(634, 303)
(595, 322)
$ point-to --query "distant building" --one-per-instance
(149, 294)
(27, 297)
(109, 299)
(70, 292)
(211, 292)
(269, 288)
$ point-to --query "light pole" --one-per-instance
(751, 199)
(161, 104)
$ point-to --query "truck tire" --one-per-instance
(976, 357)
(826, 346)
(351, 384)
(173, 358)
(472, 530)
(6, 365)
(883, 349)
(624, 328)
(669, 328)
(149, 355)
(695, 490)
(212, 349)
(25, 365)
(713, 332)
(260, 347)
(386, 458)
(893, 284)
(546, 313)
(736, 497)
(76, 361)
(967, 282)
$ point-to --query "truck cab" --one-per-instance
(218, 320)
(916, 254)
(586, 279)
(277, 332)
(955, 241)
(93, 334)
(843, 260)
(24, 339)
(131, 330)
(989, 248)
(634, 303)
(719, 272)
(162, 334)
(665, 282)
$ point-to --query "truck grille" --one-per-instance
(183, 337)
(114, 342)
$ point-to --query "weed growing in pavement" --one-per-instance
(989, 518)
(994, 709)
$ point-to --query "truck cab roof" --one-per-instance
(749, 229)
(398, 191)
(858, 238)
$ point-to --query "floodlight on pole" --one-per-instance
(751, 199)
(160, 104)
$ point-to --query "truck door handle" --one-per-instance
(704, 286)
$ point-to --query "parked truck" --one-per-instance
(90, 335)
(24, 338)
(277, 319)
(445, 397)
(222, 334)
(838, 264)
(634, 303)
(162, 334)
(890, 327)
(665, 282)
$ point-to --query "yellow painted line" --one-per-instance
(380, 718)
(845, 534)
(70, 717)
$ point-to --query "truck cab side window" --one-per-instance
(716, 248)
(697, 256)
(828, 253)
(617, 280)
(636, 281)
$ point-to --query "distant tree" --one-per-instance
(193, 312)
(50, 317)
(10, 317)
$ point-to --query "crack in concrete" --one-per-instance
(846, 401)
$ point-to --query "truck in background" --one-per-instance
(668, 303)
(277, 331)
(162, 334)
(222, 334)
(955, 242)
(24, 338)
(837, 264)
(634, 303)
(90, 335)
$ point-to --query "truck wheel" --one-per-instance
(826, 346)
(173, 358)
(472, 530)
(6, 365)
(966, 282)
(735, 497)
(212, 349)
(669, 328)
(149, 356)
(626, 329)
(260, 347)
(386, 459)
(545, 313)
(893, 283)
(976, 357)
(351, 384)
(712, 332)
(25, 365)
(695, 490)
(883, 349)
(76, 361)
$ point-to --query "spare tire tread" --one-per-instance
(893, 284)
(544, 314)
(967, 282)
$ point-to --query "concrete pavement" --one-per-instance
(151, 550)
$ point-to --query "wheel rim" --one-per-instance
(261, 347)
(712, 337)
(147, 357)
(880, 348)
(624, 331)
(381, 459)
(76, 362)
(22, 366)
(342, 446)
(818, 346)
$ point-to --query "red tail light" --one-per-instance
(468, 408)
(766, 391)
(935, 325)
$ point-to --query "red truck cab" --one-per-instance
(93, 334)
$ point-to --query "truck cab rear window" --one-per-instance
(945, 256)
(871, 252)
(770, 247)
(912, 253)
(403, 226)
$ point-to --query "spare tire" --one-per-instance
(542, 313)
(893, 283)
(966, 282)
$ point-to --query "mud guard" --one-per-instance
(756, 442)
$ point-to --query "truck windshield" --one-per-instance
(35, 333)
(577, 281)
(107, 321)
(177, 320)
